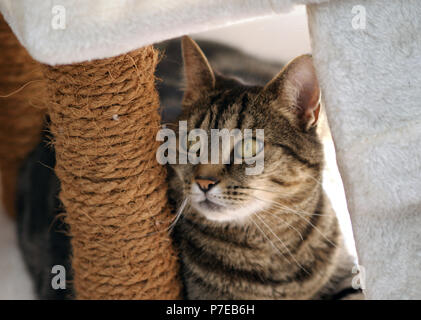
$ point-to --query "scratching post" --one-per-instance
(21, 114)
(104, 117)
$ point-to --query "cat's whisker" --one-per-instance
(270, 241)
(179, 213)
(304, 269)
(319, 231)
(283, 244)
(258, 189)
(310, 223)
(295, 211)
(313, 178)
(281, 206)
(299, 214)
(221, 197)
(287, 223)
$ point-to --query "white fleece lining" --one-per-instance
(99, 29)
(371, 83)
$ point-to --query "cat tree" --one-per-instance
(104, 112)
(104, 118)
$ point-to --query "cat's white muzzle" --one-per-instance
(211, 205)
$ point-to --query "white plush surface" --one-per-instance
(106, 28)
(371, 82)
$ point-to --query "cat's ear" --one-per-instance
(297, 90)
(198, 73)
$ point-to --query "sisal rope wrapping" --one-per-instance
(104, 117)
(21, 111)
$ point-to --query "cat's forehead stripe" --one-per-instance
(229, 111)
(241, 115)
(220, 109)
(202, 120)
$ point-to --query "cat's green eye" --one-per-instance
(248, 148)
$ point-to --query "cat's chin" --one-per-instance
(218, 213)
(210, 206)
(222, 216)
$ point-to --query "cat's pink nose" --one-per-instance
(205, 184)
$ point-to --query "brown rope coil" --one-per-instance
(104, 118)
(21, 110)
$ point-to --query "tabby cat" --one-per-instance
(267, 236)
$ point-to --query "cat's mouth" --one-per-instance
(209, 205)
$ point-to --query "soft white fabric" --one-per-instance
(105, 28)
(371, 82)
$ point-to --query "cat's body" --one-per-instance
(237, 261)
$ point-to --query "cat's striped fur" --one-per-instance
(290, 245)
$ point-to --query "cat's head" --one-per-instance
(286, 108)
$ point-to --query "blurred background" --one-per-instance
(278, 39)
